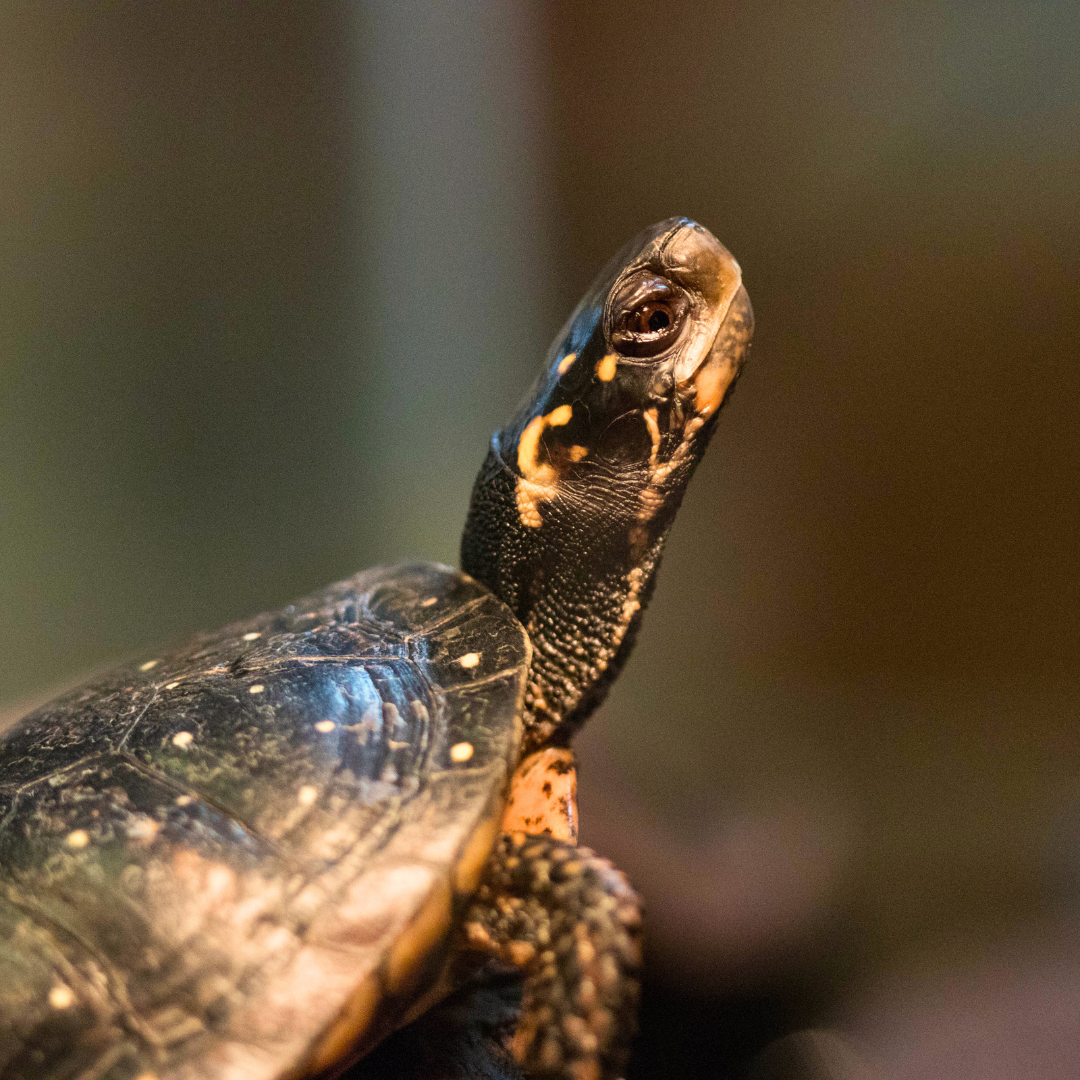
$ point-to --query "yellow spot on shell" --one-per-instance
(183, 739)
(61, 997)
(171, 686)
(77, 839)
(567, 362)
(184, 800)
(307, 795)
(220, 883)
(258, 688)
(461, 751)
(469, 660)
(605, 368)
(325, 726)
(147, 1076)
(429, 601)
(561, 415)
(254, 635)
(144, 829)
(149, 664)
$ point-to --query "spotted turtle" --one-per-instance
(255, 857)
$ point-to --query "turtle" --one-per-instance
(256, 856)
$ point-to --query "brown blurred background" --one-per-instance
(270, 275)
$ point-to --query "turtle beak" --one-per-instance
(713, 378)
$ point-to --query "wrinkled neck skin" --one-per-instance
(567, 522)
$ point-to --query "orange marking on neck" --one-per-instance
(543, 796)
(539, 482)
(605, 368)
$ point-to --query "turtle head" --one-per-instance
(571, 508)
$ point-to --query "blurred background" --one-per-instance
(271, 274)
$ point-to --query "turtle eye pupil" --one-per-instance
(650, 318)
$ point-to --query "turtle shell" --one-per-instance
(239, 859)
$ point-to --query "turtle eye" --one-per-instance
(649, 318)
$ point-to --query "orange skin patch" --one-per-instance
(543, 796)
(605, 368)
(539, 481)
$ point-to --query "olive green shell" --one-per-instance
(231, 861)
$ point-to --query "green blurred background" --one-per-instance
(271, 274)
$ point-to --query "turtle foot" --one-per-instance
(570, 921)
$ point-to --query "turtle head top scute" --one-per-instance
(581, 486)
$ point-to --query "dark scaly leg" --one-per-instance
(571, 922)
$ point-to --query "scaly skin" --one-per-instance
(572, 923)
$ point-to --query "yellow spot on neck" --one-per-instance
(469, 660)
(567, 362)
(538, 482)
(578, 452)
(78, 839)
(61, 997)
(605, 368)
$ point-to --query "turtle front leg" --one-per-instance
(572, 923)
